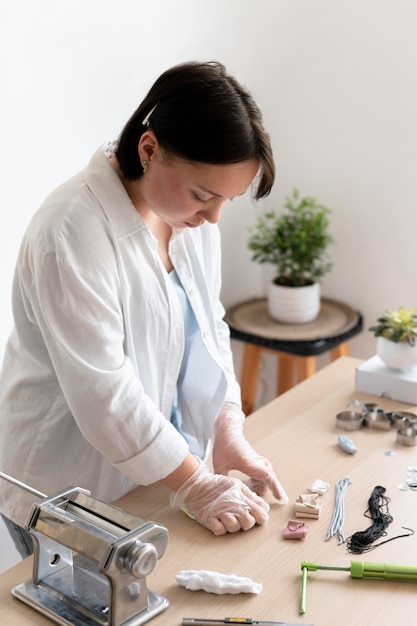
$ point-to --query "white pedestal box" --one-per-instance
(374, 377)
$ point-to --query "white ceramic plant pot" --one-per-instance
(294, 305)
(399, 356)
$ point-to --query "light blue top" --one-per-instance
(191, 330)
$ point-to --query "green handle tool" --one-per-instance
(359, 569)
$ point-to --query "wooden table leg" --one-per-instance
(340, 350)
(306, 367)
(249, 376)
(285, 372)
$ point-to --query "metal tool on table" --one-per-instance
(91, 560)
(359, 569)
(190, 621)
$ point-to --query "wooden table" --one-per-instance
(297, 432)
(296, 346)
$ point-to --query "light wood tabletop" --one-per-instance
(298, 433)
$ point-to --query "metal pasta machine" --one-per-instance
(91, 560)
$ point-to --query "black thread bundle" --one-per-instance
(378, 511)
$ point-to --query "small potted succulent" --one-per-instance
(396, 333)
(295, 242)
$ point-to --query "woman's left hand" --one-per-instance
(231, 451)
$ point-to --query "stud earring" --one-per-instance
(145, 166)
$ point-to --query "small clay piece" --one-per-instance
(295, 530)
(347, 444)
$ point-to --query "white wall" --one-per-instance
(337, 84)
(337, 81)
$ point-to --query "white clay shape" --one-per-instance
(347, 444)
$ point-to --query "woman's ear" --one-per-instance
(147, 146)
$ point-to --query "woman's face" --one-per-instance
(186, 194)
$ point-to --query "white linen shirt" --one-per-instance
(90, 370)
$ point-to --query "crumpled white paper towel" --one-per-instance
(215, 582)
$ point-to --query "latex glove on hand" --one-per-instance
(231, 451)
(221, 503)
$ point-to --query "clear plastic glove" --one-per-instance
(221, 503)
(231, 451)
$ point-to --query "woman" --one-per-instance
(119, 370)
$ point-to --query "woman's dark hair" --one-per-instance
(200, 113)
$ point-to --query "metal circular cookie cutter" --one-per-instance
(402, 418)
(349, 420)
(377, 419)
(407, 436)
(370, 406)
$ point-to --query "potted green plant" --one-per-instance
(296, 243)
(396, 333)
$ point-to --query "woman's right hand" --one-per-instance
(221, 503)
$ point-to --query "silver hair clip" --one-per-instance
(147, 118)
